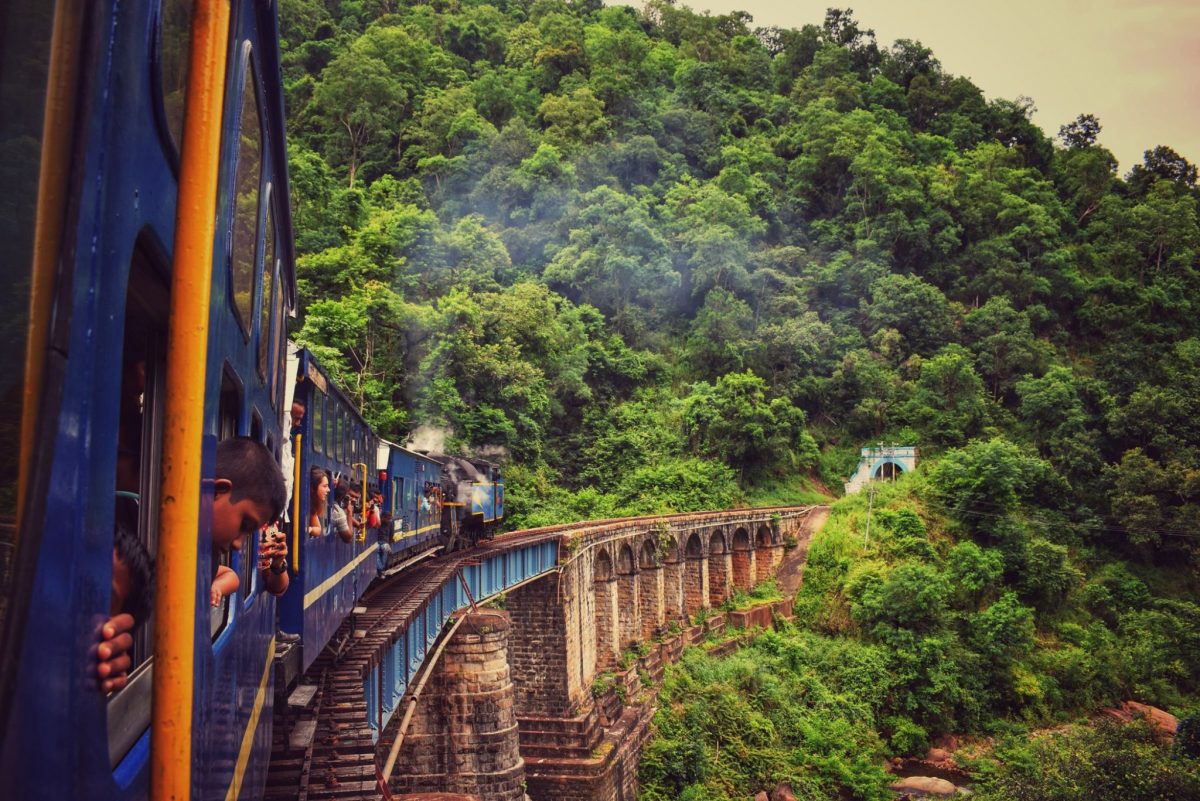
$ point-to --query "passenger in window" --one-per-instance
(337, 514)
(354, 506)
(249, 493)
(374, 518)
(129, 607)
(318, 484)
(381, 522)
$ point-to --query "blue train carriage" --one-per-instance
(473, 500)
(330, 574)
(144, 334)
(412, 502)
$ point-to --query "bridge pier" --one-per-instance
(719, 568)
(673, 571)
(744, 575)
(650, 597)
(543, 650)
(628, 618)
(464, 737)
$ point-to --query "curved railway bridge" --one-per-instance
(421, 691)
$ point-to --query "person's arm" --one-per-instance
(314, 525)
(226, 583)
(112, 655)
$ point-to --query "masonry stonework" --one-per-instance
(464, 736)
(539, 649)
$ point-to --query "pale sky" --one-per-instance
(1135, 65)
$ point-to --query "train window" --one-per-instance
(279, 371)
(174, 39)
(140, 410)
(334, 442)
(229, 411)
(345, 436)
(266, 301)
(397, 494)
(245, 211)
(317, 413)
(277, 343)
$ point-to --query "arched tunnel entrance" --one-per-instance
(888, 471)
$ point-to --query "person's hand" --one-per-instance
(214, 596)
(112, 655)
(272, 551)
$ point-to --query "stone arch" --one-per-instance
(695, 588)
(647, 555)
(625, 563)
(887, 470)
(604, 580)
(743, 560)
(763, 553)
(603, 566)
(650, 588)
(718, 568)
(628, 625)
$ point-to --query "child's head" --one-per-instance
(249, 491)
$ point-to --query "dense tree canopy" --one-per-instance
(674, 197)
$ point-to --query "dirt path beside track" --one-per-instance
(790, 574)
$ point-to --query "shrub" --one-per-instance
(907, 738)
(1113, 762)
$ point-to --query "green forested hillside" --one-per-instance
(666, 260)
(653, 253)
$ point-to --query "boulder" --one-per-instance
(938, 755)
(924, 785)
(1166, 723)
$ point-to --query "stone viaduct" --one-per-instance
(545, 696)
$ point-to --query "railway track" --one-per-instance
(322, 749)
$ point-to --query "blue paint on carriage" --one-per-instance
(55, 735)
